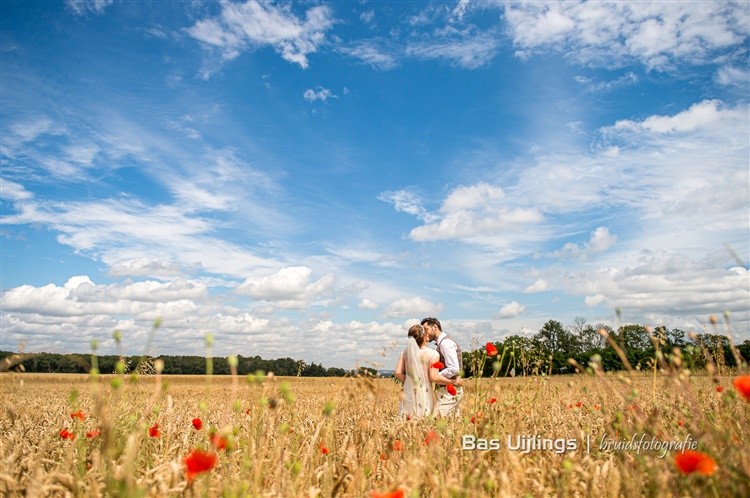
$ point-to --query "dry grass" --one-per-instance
(277, 431)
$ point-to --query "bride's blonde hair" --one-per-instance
(418, 333)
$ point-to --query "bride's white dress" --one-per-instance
(418, 399)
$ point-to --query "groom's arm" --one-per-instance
(450, 354)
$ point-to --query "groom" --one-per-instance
(447, 405)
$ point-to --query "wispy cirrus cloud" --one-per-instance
(120, 230)
(254, 24)
(466, 48)
(376, 53)
(83, 7)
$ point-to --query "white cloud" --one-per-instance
(593, 86)
(601, 239)
(144, 267)
(476, 211)
(459, 10)
(511, 310)
(367, 16)
(13, 191)
(540, 285)
(373, 53)
(290, 286)
(82, 7)
(81, 297)
(119, 230)
(407, 202)
(701, 115)
(667, 286)
(241, 26)
(465, 49)
(658, 34)
(366, 304)
(414, 306)
(733, 76)
(319, 93)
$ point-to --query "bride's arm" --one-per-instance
(443, 381)
(399, 373)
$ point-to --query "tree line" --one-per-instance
(556, 349)
(175, 365)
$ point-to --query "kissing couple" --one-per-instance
(419, 367)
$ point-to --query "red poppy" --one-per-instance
(439, 365)
(579, 404)
(451, 389)
(432, 437)
(398, 445)
(199, 461)
(694, 461)
(93, 434)
(742, 384)
(323, 449)
(154, 431)
(491, 349)
(719, 389)
(597, 407)
(64, 434)
(197, 423)
(78, 414)
(492, 401)
(247, 412)
(219, 442)
(383, 456)
(680, 423)
(399, 493)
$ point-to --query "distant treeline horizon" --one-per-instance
(173, 364)
(554, 349)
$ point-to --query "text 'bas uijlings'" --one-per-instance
(522, 444)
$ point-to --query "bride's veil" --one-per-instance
(419, 380)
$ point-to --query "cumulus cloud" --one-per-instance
(658, 34)
(412, 306)
(510, 310)
(366, 304)
(662, 285)
(540, 285)
(601, 239)
(290, 287)
(699, 116)
(81, 297)
(477, 210)
(243, 26)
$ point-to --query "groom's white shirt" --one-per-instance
(450, 355)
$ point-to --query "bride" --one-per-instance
(415, 370)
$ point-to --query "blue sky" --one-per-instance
(308, 179)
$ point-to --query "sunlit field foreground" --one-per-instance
(69, 435)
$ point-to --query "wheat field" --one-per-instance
(77, 435)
